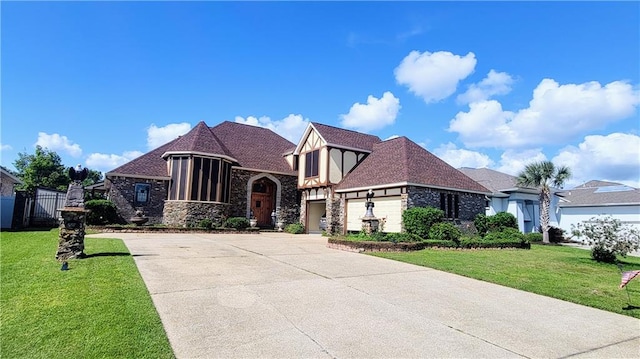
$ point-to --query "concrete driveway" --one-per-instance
(284, 296)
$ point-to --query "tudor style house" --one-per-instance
(234, 169)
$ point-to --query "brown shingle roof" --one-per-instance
(346, 138)
(402, 161)
(251, 146)
(150, 164)
(254, 147)
(199, 139)
(492, 180)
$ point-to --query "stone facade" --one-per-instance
(122, 194)
(335, 209)
(190, 213)
(470, 204)
(289, 211)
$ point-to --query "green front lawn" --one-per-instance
(100, 308)
(555, 271)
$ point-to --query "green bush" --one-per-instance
(101, 212)
(501, 220)
(418, 220)
(494, 243)
(294, 228)
(239, 223)
(480, 221)
(533, 237)
(505, 234)
(206, 223)
(402, 237)
(444, 232)
(556, 235)
(608, 237)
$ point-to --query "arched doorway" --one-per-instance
(263, 200)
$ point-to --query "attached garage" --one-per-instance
(385, 207)
(315, 210)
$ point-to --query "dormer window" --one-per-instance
(311, 163)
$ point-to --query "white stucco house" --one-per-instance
(598, 198)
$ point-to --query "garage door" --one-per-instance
(386, 207)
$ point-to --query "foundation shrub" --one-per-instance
(239, 223)
(444, 231)
(294, 228)
(418, 220)
(102, 211)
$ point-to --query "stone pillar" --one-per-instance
(71, 238)
(74, 216)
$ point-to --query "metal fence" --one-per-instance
(39, 210)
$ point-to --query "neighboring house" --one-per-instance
(240, 170)
(8, 183)
(599, 198)
(507, 196)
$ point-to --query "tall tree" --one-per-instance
(44, 168)
(544, 175)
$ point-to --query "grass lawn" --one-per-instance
(555, 271)
(100, 308)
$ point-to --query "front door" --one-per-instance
(263, 198)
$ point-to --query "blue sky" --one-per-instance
(480, 84)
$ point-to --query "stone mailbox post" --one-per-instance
(73, 214)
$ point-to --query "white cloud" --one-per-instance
(556, 113)
(106, 162)
(496, 83)
(434, 76)
(4, 147)
(56, 142)
(290, 127)
(458, 157)
(158, 136)
(614, 157)
(375, 114)
(512, 162)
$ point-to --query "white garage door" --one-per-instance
(386, 207)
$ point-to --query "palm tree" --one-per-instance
(543, 175)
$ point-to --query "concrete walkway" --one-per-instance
(284, 296)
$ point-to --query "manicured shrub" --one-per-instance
(205, 223)
(480, 221)
(556, 235)
(533, 237)
(444, 232)
(418, 220)
(238, 223)
(505, 234)
(101, 212)
(494, 243)
(501, 220)
(294, 228)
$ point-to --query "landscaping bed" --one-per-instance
(154, 229)
(376, 246)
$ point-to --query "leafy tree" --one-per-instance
(608, 237)
(41, 169)
(92, 178)
(543, 175)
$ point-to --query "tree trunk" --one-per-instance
(545, 203)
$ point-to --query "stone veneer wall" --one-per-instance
(470, 203)
(190, 213)
(122, 193)
(289, 206)
(335, 212)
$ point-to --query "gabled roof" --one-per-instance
(199, 140)
(340, 138)
(5, 172)
(401, 161)
(247, 146)
(600, 193)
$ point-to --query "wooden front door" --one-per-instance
(263, 198)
